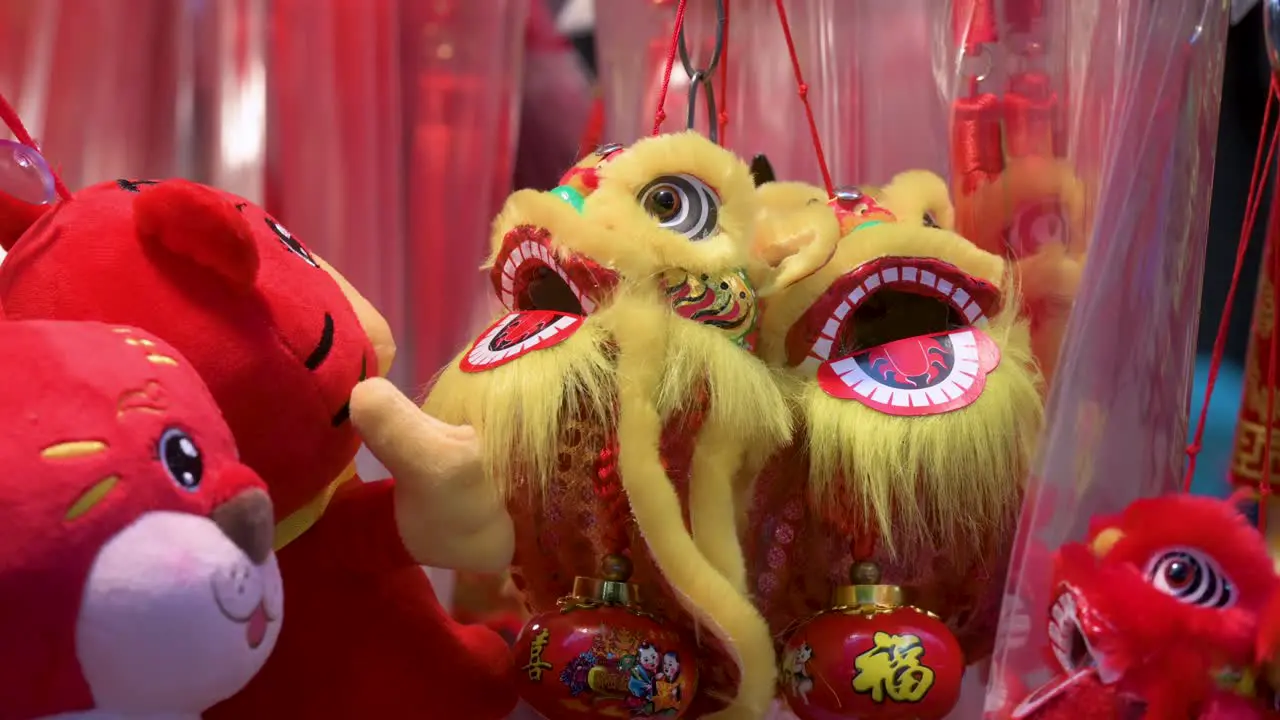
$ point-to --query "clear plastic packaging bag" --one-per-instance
(1070, 131)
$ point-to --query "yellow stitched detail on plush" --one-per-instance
(73, 449)
(92, 497)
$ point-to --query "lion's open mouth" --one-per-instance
(547, 294)
(901, 335)
(1071, 645)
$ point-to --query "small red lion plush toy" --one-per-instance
(282, 339)
(136, 571)
(1158, 615)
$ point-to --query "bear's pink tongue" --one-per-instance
(256, 627)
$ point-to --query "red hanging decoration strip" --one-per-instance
(1257, 185)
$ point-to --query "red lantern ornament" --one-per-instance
(600, 656)
(871, 657)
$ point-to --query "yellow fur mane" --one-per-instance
(633, 364)
(946, 480)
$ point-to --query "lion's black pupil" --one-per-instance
(182, 457)
(665, 201)
(1177, 572)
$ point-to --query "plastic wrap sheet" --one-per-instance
(1080, 130)
(1142, 126)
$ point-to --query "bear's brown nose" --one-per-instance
(248, 520)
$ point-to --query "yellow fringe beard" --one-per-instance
(521, 409)
(948, 480)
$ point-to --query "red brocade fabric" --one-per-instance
(797, 557)
(566, 534)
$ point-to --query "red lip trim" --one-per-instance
(815, 332)
(526, 249)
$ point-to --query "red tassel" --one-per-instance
(1030, 116)
(973, 24)
(1022, 16)
(977, 155)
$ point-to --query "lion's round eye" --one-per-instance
(682, 204)
(1191, 577)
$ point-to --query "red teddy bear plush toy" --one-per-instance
(281, 339)
(136, 572)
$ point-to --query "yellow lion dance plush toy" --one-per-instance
(912, 373)
(618, 396)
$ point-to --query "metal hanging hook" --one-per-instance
(701, 77)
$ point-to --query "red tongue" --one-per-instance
(256, 628)
(924, 375)
(517, 334)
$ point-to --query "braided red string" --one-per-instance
(661, 115)
(803, 88)
(615, 511)
(723, 119)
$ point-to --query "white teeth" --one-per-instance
(533, 252)
(822, 348)
(957, 297)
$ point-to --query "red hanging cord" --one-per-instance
(1257, 185)
(722, 120)
(803, 89)
(661, 114)
(10, 117)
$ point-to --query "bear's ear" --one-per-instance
(16, 217)
(197, 223)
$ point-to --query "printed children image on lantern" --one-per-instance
(600, 655)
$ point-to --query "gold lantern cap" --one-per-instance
(866, 593)
(611, 588)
